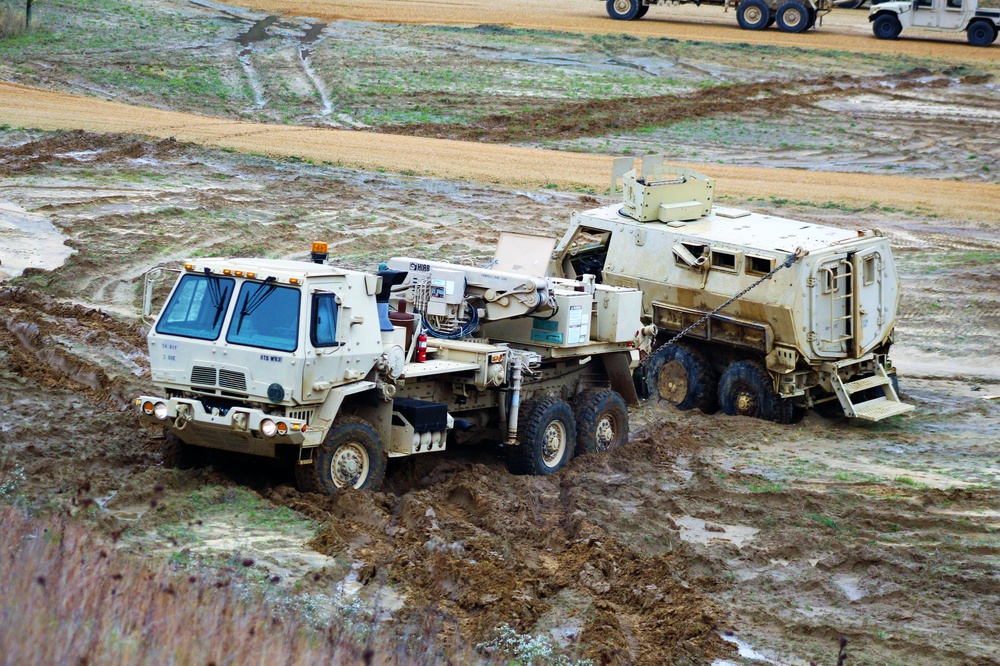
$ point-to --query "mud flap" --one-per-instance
(620, 375)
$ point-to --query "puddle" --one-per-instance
(696, 530)
(849, 586)
(912, 108)
(256, 33)
(28, 240)
(746, 652)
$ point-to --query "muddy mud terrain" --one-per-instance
(221, 131)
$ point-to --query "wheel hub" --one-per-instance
(349, 465)
(622, 6)
(606, 432)
(554, 443)
(752, 14)
(672, 383)
(746, 402)
(792, 17)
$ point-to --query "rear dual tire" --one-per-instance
(747, 389)
(753, 15)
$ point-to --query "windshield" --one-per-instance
(267, 316)
(197, 307)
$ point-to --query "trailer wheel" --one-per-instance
(624, 10)
(746, 389)
(887, 26)
(601, 421)
(546, 437)
(793, 16)
(351, 456)
(753, 14)
(981, 33)
(680, 375)
(178, 455)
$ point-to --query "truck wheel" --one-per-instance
(546, 437)
(812, 18)
(793, 16)
(351, 455)
(601, 421)
(178, 455)
(680, 375)
(642, 11)
(887, 26)
(746, 389)
(981, 33)
(753, 14)
(624, 10)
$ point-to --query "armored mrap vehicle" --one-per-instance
(753, 313)
(337, 371)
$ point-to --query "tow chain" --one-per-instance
(792, 258)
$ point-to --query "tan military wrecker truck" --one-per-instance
(759, 315)
(337, 371)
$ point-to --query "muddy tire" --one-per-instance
(601, 421)
(793, 16)
(753, 14)
(746, 389)
(546, 436)
(351, 455)
(680, 375)
(624, 10)
(887, 26)
(981, 33)
(178, 455)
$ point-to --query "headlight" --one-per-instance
(161, 411)
(147, 408)
(268, 427)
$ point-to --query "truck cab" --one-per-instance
(980, 25)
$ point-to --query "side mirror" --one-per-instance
(153, 277)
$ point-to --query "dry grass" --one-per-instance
(11, 23)
(69, 598)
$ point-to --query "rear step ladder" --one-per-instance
(870, 410)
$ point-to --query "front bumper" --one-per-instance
(238, 429)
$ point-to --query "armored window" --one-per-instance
(323, 331)
(954, 4)
(758, 265)
(266, 316)
(197, 307)
(868, 270)
(695, 250)
(724, 260)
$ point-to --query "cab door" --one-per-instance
(925, 13)
(953, 14)
(324, 355)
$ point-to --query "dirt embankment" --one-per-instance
(24, 106)
(843, 30)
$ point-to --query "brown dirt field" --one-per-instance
(24, 106)
(845, 30)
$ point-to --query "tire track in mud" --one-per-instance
(843, 30)
(566, 120)
(24, 106)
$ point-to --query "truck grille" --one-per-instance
(232, 380)
(300, 414)
(203, 375)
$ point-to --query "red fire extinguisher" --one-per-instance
(421, 348)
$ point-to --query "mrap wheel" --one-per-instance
(625, 10)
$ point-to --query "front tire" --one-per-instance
(981, 33)
(546, 437)
(601, 421)
(753, 14)
(746, 389)
(793, 16)
(887, 26)
(350, 456)
(680, 375)
(624, 10)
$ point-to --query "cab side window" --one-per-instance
(954, 4)
(324, 321)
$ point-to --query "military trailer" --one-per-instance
(790, 15)
(979, 25)
(337, 371)
(756, 314)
